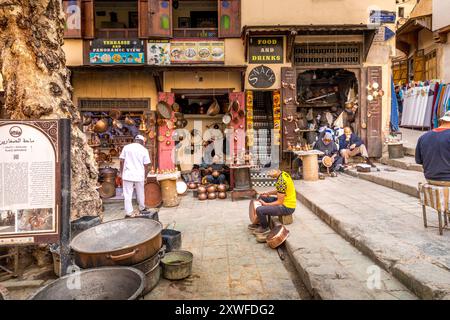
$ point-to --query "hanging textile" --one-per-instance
(394, 109)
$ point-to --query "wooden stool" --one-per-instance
(310, 164)
(287, 219)
(438, 198)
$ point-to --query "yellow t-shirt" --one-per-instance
(285, 185)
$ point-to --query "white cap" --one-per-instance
(139, 137)
(446, 117)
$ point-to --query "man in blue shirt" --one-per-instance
(351, 145)
(433, 153)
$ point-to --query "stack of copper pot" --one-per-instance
(108, 180)
(212, 191)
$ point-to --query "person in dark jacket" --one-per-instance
(433, 153)
(351, 145)
(329, 148)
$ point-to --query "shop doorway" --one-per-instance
(326, 98)
(263, 125)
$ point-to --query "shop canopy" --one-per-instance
(292, 31)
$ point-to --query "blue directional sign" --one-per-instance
(382, 16)
(388, 33)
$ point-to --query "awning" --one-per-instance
(292, 31)
(408, 34)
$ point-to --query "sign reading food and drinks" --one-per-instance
(116, 51)
(265, 50)
(197, 52)
(29, 180)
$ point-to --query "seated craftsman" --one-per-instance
(283, 204)
(433, 153)
(329, 148)
(350, 145)
(215, 171)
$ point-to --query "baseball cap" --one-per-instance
(139, 137)
(446, 117)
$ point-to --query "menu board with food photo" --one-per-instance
(158, 52)
(118, 51)
(197, 52)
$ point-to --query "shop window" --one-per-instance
(116, 19)
(195, 19)
(310, 54)
(401, 12)
(431, 66)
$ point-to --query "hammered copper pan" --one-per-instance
(277, 236)
(254, 204)
(119, 242)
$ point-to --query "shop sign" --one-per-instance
(120, 51)
(29, 181)
(197, 52)
(382, 16)
(158, 52)
(72, 11)
(268, 50)
(383, 34)
(261, 77)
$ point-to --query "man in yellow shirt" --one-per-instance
(283, 204)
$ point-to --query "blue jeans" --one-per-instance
(219, 180)
(264, 212)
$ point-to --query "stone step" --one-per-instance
(332, 269)
(409, 151)
(405, 181)
(406, 163)
(386, 226)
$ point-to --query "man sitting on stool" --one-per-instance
(433, 153)
(351, 145)
(329, 148)
(283, 204)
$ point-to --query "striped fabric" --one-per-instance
(435, 197)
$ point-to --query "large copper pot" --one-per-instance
(222, 188)
(222, 195)
(153, 195)
(211, 188)
(108, 174)
(277, 236)
(119, 242)
(100, 126)
(192, 185)
(254, 204)
(201, 189)
(202, 196)
(212, 195)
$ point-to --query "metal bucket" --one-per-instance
(152, 271)
(396, 151)
(116, 283)
(177, 265)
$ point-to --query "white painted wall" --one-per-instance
(441, 14)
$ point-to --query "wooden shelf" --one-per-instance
(202, 116)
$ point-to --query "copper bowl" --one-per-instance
(254, 204)
(192, 185)
(277, 236)
(216, 174)
(202, 196)
(212, 195)
(201, 189)
(222, 195)
(211, 188)
(222, 188)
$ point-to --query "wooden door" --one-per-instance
(72, 12)
(229, 18)
(288, 107)
(166, 150)
(374, 110)
(143, 18)
(419, 68)
(160, 18)
(87, 19)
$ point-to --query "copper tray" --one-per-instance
(277, 236)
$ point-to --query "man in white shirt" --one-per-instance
(134, 168)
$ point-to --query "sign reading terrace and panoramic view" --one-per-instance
(125, 51)
(266, 50)
(28, 181)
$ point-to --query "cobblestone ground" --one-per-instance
(228, 262)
